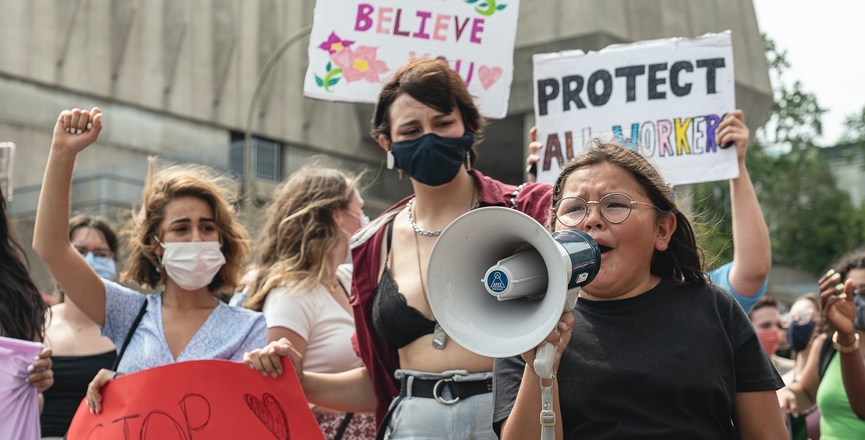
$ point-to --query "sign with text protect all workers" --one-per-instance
(210, 399)
(356, 45)
(663, 98)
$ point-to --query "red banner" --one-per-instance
(201, 400)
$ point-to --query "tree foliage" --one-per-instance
(811, 221)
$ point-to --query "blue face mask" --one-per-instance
(103, 266)
(432, 159)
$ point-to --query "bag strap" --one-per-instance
(129, 335)
(827, 351)
(343, 426)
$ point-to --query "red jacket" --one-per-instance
(379, 357)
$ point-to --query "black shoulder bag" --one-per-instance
(129, 335)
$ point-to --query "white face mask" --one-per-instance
(363, 218)
(192, 264)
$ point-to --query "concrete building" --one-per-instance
(174, 78)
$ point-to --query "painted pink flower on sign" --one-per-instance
(360, 64)
(334, 44)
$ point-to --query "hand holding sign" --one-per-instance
(208, 399)
(733, 131)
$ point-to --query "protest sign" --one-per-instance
(7, 153)
(662, 98)
(356, 45)
(211, 399)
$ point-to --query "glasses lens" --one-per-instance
(571, 211)
(615, 207)
(804, 317)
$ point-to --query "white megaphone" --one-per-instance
(498, 282)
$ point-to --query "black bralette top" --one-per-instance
(394, 320)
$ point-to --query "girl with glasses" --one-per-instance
(652, 349)
(78, 348)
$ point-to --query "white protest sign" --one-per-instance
(7, 153)
(356, 45)
(662, 98)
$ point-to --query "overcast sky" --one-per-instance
(825, 43)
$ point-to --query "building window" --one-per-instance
(266, 157)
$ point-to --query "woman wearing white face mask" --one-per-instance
(184, 242)
(79, 350)
(303, 287)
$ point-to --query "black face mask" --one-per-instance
(800, 334)
(859, 300)
(432, 159)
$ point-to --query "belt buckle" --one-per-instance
(440, 398)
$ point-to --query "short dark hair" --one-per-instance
(99, 223)
(434, 84)
(764, 301)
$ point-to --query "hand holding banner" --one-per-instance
(662, 98)
(211, 399)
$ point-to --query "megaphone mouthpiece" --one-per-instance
(522, 274)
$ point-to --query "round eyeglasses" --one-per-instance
(615, 208)
(801, 318)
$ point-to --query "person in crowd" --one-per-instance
(428, 124)
(184, 242)
(766, 319)
(304, 286)
(78, 348)
(657, 351)
(746, 276)
(22, 323)
(834, 375)
(800, 322)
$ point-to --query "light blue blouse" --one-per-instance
(226, 334)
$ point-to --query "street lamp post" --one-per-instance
(248, 189)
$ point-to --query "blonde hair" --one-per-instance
(160, 189)
(300, 232)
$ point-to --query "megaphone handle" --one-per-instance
(545, 356)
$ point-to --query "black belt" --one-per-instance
(433, 388)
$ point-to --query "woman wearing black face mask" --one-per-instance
(428, 124)
(800, 322)
(834, 375)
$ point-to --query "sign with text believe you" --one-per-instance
(356, 45)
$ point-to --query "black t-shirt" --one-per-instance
(665, 364)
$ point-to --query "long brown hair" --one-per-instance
(300, 232)
(683, 259)
(434, 84)
(161, 188)
(22, 310)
